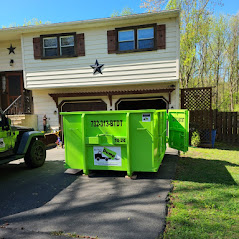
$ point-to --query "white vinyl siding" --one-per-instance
(119, 69)
(5, 57)
(44, 104)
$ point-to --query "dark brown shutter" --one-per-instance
(161, 36)
(37, 47)
(80, 42)
(111, 39)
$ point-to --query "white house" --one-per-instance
(137, 57)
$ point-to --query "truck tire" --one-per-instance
(36, 154)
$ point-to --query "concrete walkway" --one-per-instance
(45, 202)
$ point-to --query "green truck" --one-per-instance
(20, 142)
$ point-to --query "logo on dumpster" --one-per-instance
(146, 117)
(107, 156)
(109, 153)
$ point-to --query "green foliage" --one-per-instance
(195, 140)
(208, 48)
(153, 5)
(33, 21)
(126, 11)
(205, 198)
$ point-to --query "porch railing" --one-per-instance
(21, 105)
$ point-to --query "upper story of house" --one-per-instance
(134, 49)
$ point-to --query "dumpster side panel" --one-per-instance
(73, 141)
(141, 130)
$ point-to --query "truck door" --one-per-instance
(178, 129)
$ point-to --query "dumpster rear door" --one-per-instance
(178, 129)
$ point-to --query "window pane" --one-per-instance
(126, 35)
(50, 42)
(143, 44)
(67, 41)
(50, 51)
(67, 51)
(145, 33)
(125, 46)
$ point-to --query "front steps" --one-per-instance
(17, 120)
(24, 120)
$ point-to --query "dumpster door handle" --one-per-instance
(141, 129)
(104, 135)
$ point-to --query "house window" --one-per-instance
(50, 46)
(145, 38)
(67, 46)
(126, 40)
(61, 45)
(138, 38)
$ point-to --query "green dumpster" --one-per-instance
(132, 141)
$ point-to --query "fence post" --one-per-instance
(214, 119)
(224, 129)
(237, 123)
(219, 126)
(229, 130)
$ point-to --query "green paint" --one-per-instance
(8, 139)
(143, 143)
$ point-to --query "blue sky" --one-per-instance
(16, 11)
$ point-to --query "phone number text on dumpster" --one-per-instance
(106, 123)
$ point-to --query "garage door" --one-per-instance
(83, 105)
(142, 104)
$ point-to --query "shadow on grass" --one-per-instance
(204, 171)
(225, 146)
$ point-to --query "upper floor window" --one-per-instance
(50, 46)
(58, 46)
(136, 38)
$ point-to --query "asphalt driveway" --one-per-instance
(46, 203)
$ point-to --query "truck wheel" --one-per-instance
(36, 154)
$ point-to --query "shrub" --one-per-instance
(195, 140)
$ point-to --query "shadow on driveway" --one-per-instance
(110, 207)
(22, 189)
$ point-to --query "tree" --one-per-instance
(153, 5)
(126, 11)
(33, 21)
(208, 48)
(232, 57)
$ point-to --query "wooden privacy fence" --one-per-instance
(226, 124)
(203, 119)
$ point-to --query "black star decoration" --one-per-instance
(97, 67)
(11, 49)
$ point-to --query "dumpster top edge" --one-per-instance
(109, 112)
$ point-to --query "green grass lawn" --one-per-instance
(204, 202)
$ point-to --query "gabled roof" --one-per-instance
(16, 32)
